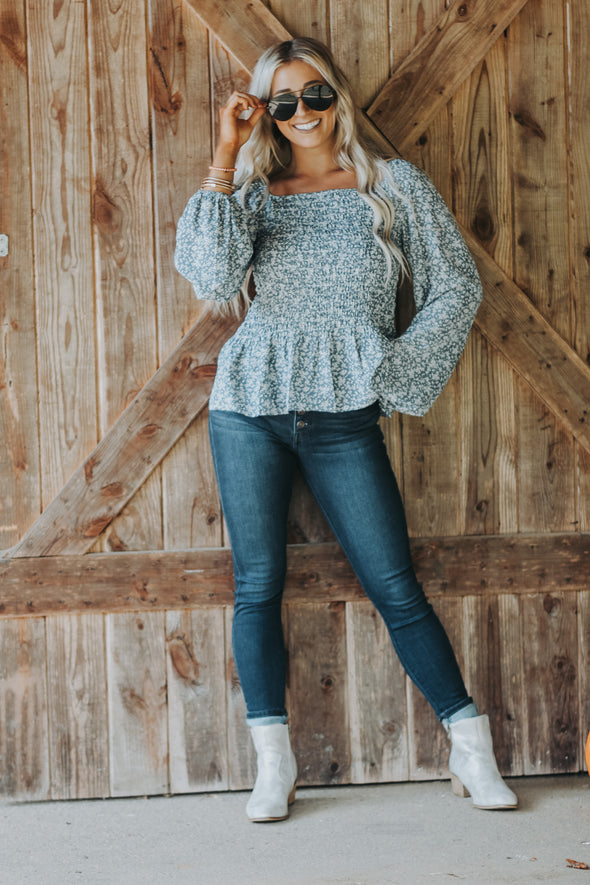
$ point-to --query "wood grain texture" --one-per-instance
(180, 91)
(124, 238)
(425, 81)
(538, 104)
(550, 640)
(317, 692)
(307, 18)
(427, 740)
(376, 700)
(486, 395)
(20, 500)
(136, 677)
(136, 443)
(76, 692)
(197, 723)
(245, 27)
(60, 170)
(452, 567)
(584, 670)
(431, 494)
(241, 753)
(493, 655)
(24, 748)
(360, 40)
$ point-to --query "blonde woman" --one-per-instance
(327, 228)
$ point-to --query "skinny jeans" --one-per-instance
(343, 459)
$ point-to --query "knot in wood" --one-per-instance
(327, 683)
(463, 10)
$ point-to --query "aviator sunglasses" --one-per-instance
(318, 97)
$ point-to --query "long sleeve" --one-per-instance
(214, 244)
(447, 294)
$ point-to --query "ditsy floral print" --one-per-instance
(320, 334)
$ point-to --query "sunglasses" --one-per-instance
(318, 97)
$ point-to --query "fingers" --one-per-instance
(241, 102)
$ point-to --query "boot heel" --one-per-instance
(291, 798)
(458, 788)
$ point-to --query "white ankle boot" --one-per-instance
(274, 789)
(473, 765)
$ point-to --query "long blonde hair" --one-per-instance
(267, 152)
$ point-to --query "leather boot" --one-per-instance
(274, 789)
(473, 765)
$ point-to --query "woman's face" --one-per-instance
(306, 128)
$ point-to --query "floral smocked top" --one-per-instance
(320, 334)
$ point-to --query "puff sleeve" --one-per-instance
(447, 294)
(214, 244)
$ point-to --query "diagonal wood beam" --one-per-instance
(245, 29)
(133, 447)
(431, 74)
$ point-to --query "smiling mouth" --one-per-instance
(306, 127)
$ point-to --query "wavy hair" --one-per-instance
(267, 152)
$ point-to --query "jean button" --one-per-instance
(300, 425)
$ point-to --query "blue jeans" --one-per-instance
(343, 459)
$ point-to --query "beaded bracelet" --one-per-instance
(223, 169)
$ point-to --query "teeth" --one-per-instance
(307, 126)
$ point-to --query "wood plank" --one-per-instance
(76, 682)
(550, 637)
(579, 150)
(493, 654)
(584, 671)
(124, 238)
(136, 676)
(425, 81)
(136, 443)
(179, 78)
(428, 743)
(196, 700)
(486, 394)
(19, 453)
(24, 750)
(317, 692)
(431, 493)
(245, 27)
(547, 499)
(377, 699)
(307, 18)
(241, 753)
(60, 167)
(456, 566)
(360, 39)
(540, 165)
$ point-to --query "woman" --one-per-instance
(327, 228)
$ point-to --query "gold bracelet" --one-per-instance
(219, 183)
(223, 169)
(219, 180)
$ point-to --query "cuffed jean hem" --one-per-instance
(466, 711)
(266, 720)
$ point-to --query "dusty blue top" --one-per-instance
(320, 334)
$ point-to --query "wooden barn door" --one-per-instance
(116, 670)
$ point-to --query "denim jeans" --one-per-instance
(342, 457)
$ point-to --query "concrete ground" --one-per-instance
(362, 835)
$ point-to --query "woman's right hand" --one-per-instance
(235, 131)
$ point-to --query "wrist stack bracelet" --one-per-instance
(223, 169)
(218, 184)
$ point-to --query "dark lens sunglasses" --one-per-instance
(318, 97)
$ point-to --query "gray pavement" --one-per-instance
(362, 835)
